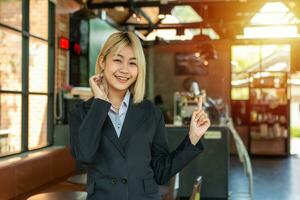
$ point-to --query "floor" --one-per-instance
(274, 179)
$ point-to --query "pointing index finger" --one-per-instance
(200, 102)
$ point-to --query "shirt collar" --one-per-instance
(124, 104)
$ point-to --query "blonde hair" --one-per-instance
(114, 44)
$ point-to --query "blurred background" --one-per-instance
(242, 56)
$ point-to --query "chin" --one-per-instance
(121, 87)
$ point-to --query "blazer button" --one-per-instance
(124, 180)
(114, 181)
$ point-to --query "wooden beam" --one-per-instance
(170, 3)
(169, 26)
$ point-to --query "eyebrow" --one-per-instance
(132, 58)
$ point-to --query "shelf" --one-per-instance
(269, 124)
(266, 104)
(282, 88)
(268, 139)
(274, 147)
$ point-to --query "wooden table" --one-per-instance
(80, 179)
(70, 195)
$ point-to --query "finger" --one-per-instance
(98, 82)
(202, 114)
(194, 114)
(203, 118)
(94, 78)
(198, 114)
(200, 121)
(91, 78)
(200, 103)
(205, 122)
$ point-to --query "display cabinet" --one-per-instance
(264, 111)
(269, 113)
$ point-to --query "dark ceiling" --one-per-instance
(226, 17)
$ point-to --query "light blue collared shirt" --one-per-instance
(117, 118)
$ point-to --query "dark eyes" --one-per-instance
(120, 61)
(117, 60)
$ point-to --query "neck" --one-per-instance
(116, 98)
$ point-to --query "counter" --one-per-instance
(212, 164)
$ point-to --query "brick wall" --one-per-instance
(63, 11)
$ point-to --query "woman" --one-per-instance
(122, 137)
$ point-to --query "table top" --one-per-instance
(65, 195)
(78, 179)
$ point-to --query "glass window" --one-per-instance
(38, 65)
(11, 13)
(275, 57)
(240, 93)
(10, 60)
(283, 23)
(245, 58)
(16, 48)
(240, 86)
(10, 123)
(37, 121)
(38, 18)
(186, 14)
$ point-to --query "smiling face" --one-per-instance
(122, 61)
(120, 69)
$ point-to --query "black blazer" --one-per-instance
(132, 166)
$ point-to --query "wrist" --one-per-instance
(194, 138)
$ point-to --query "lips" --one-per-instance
(122, 79)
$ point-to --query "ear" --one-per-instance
(102, 62)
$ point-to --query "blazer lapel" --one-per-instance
(135, 115)
(109, 130)
(112, 135)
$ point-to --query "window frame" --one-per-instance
(25, 34)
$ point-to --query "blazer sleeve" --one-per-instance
(85, 132)
(166, 164)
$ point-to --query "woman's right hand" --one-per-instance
(98, 86)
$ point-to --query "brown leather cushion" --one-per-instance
(63, 163)
(7, 181)
(21, 175)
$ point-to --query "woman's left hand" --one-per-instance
(199, 123)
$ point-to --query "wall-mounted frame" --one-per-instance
(190, 63)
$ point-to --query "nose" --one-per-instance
(124, 69)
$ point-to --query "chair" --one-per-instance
(170, 192)
(196, 189)
(243, 156)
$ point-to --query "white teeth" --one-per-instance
(122, 78)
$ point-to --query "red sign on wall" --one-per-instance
(64, 43)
